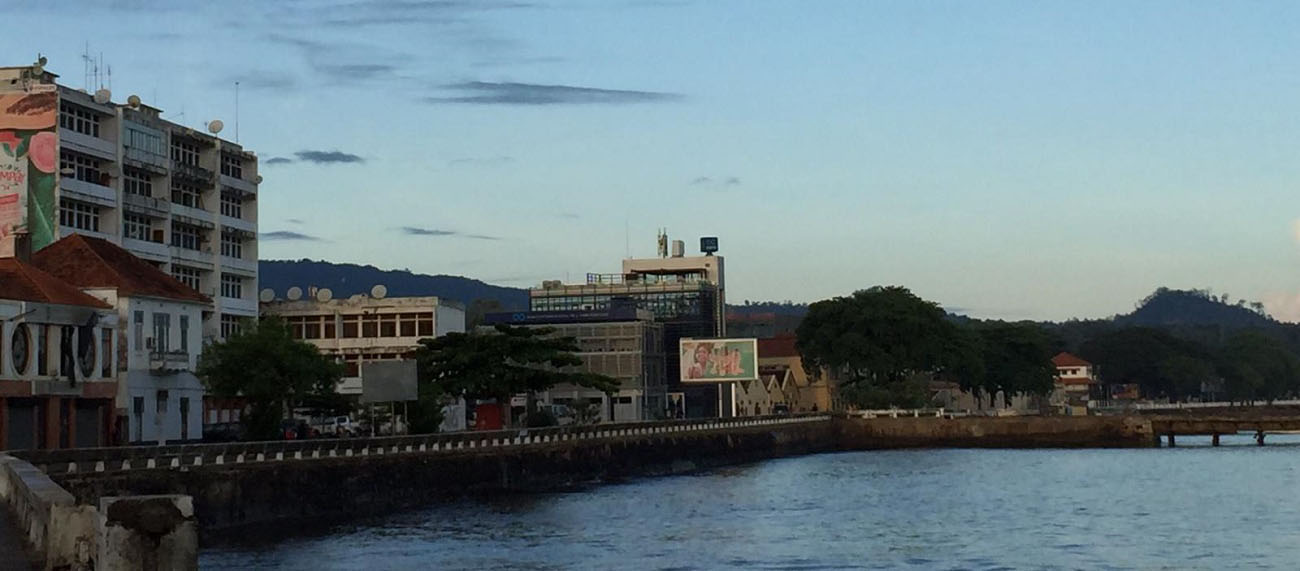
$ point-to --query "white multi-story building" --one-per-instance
(179, 198)
(160, 337)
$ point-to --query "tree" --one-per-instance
(878, 340)
(1257, 366)
(271, 370)
(478, 309)
(1154, 359)
(507, 361)
(1017, 360)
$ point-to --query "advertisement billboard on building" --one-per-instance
(719, 360)
(29, 160)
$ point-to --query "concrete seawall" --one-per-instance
(241, 494)
(1004, 432)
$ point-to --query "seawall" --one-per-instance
(995, 432)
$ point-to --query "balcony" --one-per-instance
(147, 205)
(88, 191)
(193, 216)
(202, 259)
(238, 306)
(246, 268)
(86, 144)
(243, 187)
(246, 226)
(164, 362)
(145, 249)
(193, 173)
(140, 158)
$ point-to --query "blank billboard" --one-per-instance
(388, 381)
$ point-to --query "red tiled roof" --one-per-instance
(1068, 360)
(24, 282)
(88, 262)
(783, 346)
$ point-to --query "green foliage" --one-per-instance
(1017, 359)
(1151, 358)
(1257, 366)
(507, 361)
(273, 371)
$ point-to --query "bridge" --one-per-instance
(1215, 419)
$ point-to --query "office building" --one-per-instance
(620, 341)
(181, 198)
(365, 328)
(686, 294)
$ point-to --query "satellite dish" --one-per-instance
(103, 96)
(324, 294)
(258, 180)
(379, 291)
(215, 125)
(294, 293)
(42, 60)
(133, 101)
(267, 295)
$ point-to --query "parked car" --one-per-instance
(335, 426)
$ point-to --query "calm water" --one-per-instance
(1192, 507)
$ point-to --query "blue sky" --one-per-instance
(1039, 160)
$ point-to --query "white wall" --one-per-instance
(448, 320)
(140, 381)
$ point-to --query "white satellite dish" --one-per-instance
(133, 101)
(324, 294)
(103, 96)
(379, 291)
(258, 180)
(215, 125)
(294, 293)
(267, 295)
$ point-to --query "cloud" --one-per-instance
(416, 231)
(1283, 306)
(328, 157)
(482, 161)
(288, 235)
(722, 181)
(259, 80)
(487, 93)
(569, 215)
(277, 161)
(732, 181)
(702, 180)
(294, 221)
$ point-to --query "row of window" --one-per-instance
(79, 215)
(232, 245)
(232, 205)
(232, 166)
(185, 152)
(71, 351)
(78, 119)
(187, 276)
(232, 286)
(361, 326)
(137, 181)
(186, 236)
(231, 324)
(187, 194)
(83, 167)
(162, 329)
(145, 141)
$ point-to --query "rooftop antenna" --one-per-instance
(236, 111)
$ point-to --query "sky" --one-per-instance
(1013, 160)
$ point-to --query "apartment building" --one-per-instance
(181, 198)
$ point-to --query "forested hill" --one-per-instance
(1171, 307)
(348, 279)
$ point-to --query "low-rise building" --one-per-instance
(815, 391)
(57, 361)
(1076, 381)
(618, 341)
(160, 337)
(364, 328)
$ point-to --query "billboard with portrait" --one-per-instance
(718, 360)
(29, 160)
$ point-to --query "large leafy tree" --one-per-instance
(1017, 359)
(1163, 365)
(498, 364)
(882, 343)
(1257, 366)
(272, 371)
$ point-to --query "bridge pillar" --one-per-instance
(1214, 440)
(1259, 437)
(1172, 442)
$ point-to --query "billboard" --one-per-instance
(718, 360)
(388, 381)
(29, 161)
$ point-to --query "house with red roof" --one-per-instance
(57, 361)
(160, 335)
(1076, 380)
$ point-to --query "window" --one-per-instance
(185, 418)
(232, 166)
(79, 215)
(369, 326)
(425, 324)
(187, 195)
(162, 331)
(42, 349)
(139, 330)
(185, 152)
(408, 324)
(137, 407)
(78, 119)
(144, 141)
(20, 348)
(230, 325)
(350, 326)
(137, 181)
(232, 286)
(84, 168)
(136, 226)
(185, 333)
(185, 236)
(106, 352)
(232, 245)
(188, 276)
(232, 205)
(388, 325)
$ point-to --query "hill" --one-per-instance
(1172, 307)
(349, 279)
